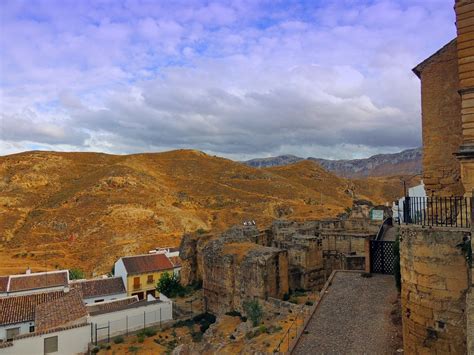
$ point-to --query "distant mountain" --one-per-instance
(280, 160)
(407, 162)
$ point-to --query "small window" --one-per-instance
(12, 332)
(150, 279)
(51, 345)
(32, 328)
(101, 300)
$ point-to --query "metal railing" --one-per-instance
(452, 211)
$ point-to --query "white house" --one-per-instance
(29, 283)
(99, 290)
(415, 191)
(35, 312)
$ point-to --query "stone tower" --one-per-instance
(465, 47)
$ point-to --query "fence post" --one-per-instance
(144, 316)
(126, 324)
(108, 332)
(96, 334)
(160, 318)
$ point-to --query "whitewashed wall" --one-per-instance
(24, 329)
(132, 318)
(116, 296)
(71, 341)
(119, 270)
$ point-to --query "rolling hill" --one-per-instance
(85, 210)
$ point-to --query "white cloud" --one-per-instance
(240, 79)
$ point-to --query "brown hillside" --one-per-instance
(85, 210)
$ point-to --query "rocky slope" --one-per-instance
(87, 209)
(406, 162)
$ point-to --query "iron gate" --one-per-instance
(381, 257)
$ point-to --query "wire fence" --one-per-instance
(128, 324)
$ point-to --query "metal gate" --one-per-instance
(381, 257)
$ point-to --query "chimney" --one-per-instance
(465, 47)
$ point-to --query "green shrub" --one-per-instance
(133, 349)
(119, 340)
(254, 311)
(308, 303)
(149, 332)
(169, 285)
(141, 338)
(95, 350)
(76, 274)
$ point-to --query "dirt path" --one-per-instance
(354, 317)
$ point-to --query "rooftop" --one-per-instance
(62, 311)
(99, 287)
(140, 264)
(34, 281)
(18, 309)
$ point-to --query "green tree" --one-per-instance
(254, 311)
(169, 285)
(76, 274)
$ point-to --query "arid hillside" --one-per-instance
(84, 210)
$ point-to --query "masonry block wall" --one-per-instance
(441, 122)
(435, 280)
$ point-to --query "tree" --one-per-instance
(254, 311)
(76, 274)
(169, 285)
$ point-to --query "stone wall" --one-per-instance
(435, 276)
(235, 272)
(441, 122)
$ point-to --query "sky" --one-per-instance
(240, 79)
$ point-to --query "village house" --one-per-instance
(40, 312)
(140, 273)
(100, 290)
(22, 284)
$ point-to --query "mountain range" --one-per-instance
(407, 162)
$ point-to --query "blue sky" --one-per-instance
(240, 79)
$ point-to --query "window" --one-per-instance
(12, 332)
(136, 282)
(150, 279)
(51, 345)
(101, 300)
(32, 328)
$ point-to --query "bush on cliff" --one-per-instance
(254, 311)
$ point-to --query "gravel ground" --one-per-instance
(353, 318)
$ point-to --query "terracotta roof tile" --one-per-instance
(17, 309)
(38, 281)
(146, 263)
(99, 287)
(63, 311)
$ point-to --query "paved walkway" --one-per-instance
(353, 317)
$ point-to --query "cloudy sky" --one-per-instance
(240, 79)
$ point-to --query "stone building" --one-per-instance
(436, 262)
(441, 121)
(244, 263)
